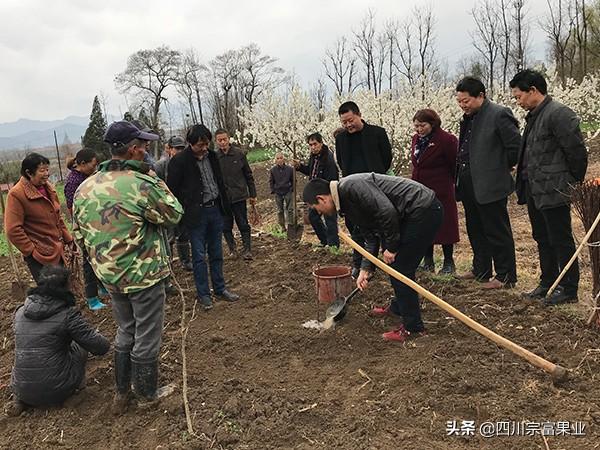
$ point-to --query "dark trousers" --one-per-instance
(285, 206)
(490, 234)
(34, 267)
(139, 316)
(417, 236)
(551, 229)
(357, 237)
(448, 250)
(206, 243)
(239, 214)
(179, 235)
(326, 232)
(89, 277)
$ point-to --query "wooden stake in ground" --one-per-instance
(558, 373)
(18, 287)
(583, 243)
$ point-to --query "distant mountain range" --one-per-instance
(27, 134)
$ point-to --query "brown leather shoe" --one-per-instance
(495, 283)
(466, 276)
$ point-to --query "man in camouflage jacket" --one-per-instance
(120, 213)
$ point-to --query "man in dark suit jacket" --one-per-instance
(360, 148)
(194, 176)
(488, 147)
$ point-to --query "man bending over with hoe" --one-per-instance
(404, 214)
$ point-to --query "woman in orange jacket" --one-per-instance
(32, 220)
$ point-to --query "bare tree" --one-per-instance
(486, 35)
(258, 73)
(382, 48)
(318, 95)
(240, 77)
(581, 19)
(364, 47)
(405, 51)
(424, 23)
(390, 34)
(225, 71)
(340, 66)
(191, 82)
(558, 26)
(149, 73)
(418, 51)
(521, 34)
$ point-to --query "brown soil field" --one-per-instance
(258, 380)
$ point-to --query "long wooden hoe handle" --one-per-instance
(558, 373)
(586, 238)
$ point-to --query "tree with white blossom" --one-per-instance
(281, 121)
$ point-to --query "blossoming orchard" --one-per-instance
(282, 120)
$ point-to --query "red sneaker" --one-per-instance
(400, 334)
(381, 311)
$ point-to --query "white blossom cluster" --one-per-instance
(282, 121)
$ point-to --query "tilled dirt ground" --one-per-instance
(258, 380)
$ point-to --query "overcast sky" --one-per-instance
(57, 54)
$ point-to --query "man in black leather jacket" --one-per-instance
(404, 214)
(321, 164)
(552, 158)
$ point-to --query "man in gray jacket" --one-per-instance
(488, 146)
(239, 184)
(552, 158)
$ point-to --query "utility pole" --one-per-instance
(58, 157)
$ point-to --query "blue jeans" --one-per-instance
(206, 241)
(328, 232)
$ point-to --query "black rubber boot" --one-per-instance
(122, 368)
(145, 383)
(183, 250)
(247, 241)
(145, 379)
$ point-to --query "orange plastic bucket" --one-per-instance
(332, 282)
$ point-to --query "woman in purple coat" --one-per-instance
(433, 156)
(81, 167)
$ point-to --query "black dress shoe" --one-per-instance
(187, 265)
(228, 296)
(206, 302)
(427, 266)
(448, 268)
(537, 294)
(559, 296)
